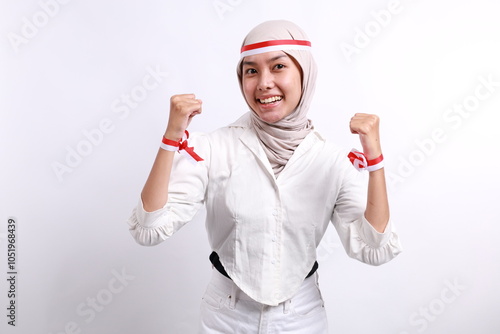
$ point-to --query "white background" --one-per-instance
(62, 78)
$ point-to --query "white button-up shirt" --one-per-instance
(266, 230)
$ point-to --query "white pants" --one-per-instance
(225, 309)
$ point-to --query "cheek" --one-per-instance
(248, 91)
(295, 89)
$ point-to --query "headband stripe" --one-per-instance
(274, 45)
(275, 42)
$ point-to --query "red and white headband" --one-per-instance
(274, 45)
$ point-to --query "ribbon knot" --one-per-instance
(358, 160)
(182, 147)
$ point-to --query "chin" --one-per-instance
(271, 117)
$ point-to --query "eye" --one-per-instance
(279, 66)
(251, 71)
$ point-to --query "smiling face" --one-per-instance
(272, 85)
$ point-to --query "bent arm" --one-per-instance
(158, 215)
(365, 228)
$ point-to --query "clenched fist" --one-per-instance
(183, 108)
(367, 127)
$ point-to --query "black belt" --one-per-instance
(214, 258)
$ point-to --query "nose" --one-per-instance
(266, 81)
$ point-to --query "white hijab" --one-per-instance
(280, 139)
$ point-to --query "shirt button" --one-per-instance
(273, 262)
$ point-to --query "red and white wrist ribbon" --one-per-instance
(182, 147)
(275, 45)
(359, 161)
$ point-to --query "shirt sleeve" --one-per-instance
(360, 240)
(186, 195)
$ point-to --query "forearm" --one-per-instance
(377, 206)
(155, 192)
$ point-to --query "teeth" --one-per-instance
(271, 99)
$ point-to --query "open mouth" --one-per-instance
(270, 100)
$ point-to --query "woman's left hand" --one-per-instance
(367, 127)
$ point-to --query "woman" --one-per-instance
(271, 184)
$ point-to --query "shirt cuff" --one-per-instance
(149, 219)
(372, 237)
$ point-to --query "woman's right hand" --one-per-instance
(183, 108)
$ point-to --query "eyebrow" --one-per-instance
(252, 63)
